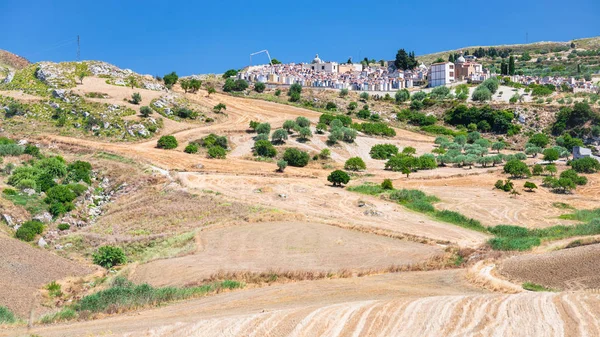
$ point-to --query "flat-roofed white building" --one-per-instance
(441, 74)
(317, 65)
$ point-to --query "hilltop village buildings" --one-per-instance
(377, 77)
(323, 74)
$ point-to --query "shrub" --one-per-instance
(295, 157)
(328, 118)
(289, 125)
(217, 152)
(355, 164)
(330, 106)
(518, 243)
(585, 165)
(325, 154)
(387, 184)
(191, 148)
(380, 129)
(59, 194)
(530, 186)
(219, 108)
(364, 96)
(167, 142)
(305, 133)
(537, 170)
(343, 92)
(539, 139)
(76, 171)
(136, 98)
(29, 230)
(279, 136)
(551, 155)
(64, 227)
(481, 94)
(402, 96)
(259, 87)
(517, 168)
(6, 316)
(263, 128)
(264, 148)
(281, 165)
(32, 150)
(338, 177)
(383, 151)
(145, 111)
(235, 85)
(109, 256)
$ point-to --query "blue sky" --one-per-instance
(193, 37)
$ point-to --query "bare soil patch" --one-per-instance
(293, 246)
(567, 269)
(25, 269)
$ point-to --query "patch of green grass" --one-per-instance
(535, 287)
(66, 314)
(582, 215)
(32, 203)
(6, 316)
(514, 243)
(114, 157)
(562, 205)
(367, 188)
(124, 295)
(54, 289)
(158, 249)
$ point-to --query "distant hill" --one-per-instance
(12, 61)
(586, 43)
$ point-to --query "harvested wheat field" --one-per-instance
(283, 246)
(25, 269)
(567, 269)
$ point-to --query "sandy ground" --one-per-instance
(293, 246)
(408, 304)
(567, 269)
(315, 198)
(25, 269)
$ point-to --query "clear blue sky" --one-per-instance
(193, 37)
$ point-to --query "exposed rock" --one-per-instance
(29, 191)
(282, 196)
(9, 77)
(372, 212)
(54, 105)
(106, 125)
(44, 217)
(22, 142)
(42, 243)
(8, 219)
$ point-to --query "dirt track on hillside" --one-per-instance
(282, 246)
(566, 269)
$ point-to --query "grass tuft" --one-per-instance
(535, 287)
(6, 316)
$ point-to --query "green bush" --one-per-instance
(11, 150)
(328, 118)
(64, 226)
(29, 230)
(387, 184)
(259, 87)
(32, 150)
(355, 164)
(264, 148)
(281, 165)
(109, 256)
(338, 178)
(78, 171)
(145, 111)
(585, 165)
(167, 142)
(136, 98)
(263, 128)
(295, 157)
(60, 194)
(6, 316)
(191, 148)
(217, 152)
(518, 243)
(383, 151)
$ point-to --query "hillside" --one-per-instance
(10, 60)
(585, 43)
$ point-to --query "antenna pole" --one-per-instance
(78, 49)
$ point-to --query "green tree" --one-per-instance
(511, 65)
(355, 164)
(498, 146)
(131, 81)
(264, 148)
(517, 168)
(585, 165)
(305, 133)
(338, 177)
(551, 155)
(302, 122)
(344, 93)
(81, 70)
(217, 152)
(537, 170)
(281, 165)
(387, 184)
(191, 148)
(185, 84)
(279, 136)
(551, 169)
(289, 125)
(170, 79)
(364, 96)
(229, 73)
(402, 96)
(211, 90)
(145, 111)
(263, 128)
(295, 157)
(259, 87)
(539, 139)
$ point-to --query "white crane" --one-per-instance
(258, 52)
